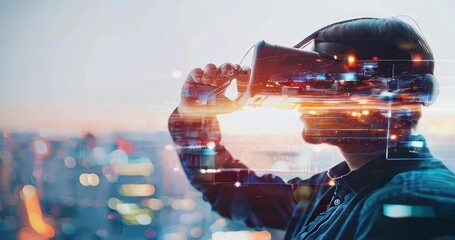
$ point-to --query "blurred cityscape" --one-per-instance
(130, 185)
(111, 186)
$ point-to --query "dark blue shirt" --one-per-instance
(384, 199)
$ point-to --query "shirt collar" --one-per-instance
(378, 167)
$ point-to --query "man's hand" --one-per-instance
(203, 91)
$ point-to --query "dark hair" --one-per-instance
(383, 38)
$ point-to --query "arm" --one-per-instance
(233, 190)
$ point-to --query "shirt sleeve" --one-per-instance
(233, 190)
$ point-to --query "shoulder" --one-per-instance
(418, 201)
(430, 183)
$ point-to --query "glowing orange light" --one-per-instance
(34, 213)
(351, 60)
(26, 233)
(354, 114)
(417, 58)
(335, 57)
(260, 235)
(365, 112)
(393, 136)
(331, 182)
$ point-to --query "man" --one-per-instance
(369, 196)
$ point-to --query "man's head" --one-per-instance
(388, 39)
(393, 49)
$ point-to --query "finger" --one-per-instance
(195, 75)
(210, 72)
(243, 72)
(227, 70)
(245, 69)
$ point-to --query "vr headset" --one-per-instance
(283, 77)
(290, 78)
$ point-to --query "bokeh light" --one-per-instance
(143, 219)
(70, 162)
(93, 179)
(153, 203)
(137, 190)
(183, 204)
(40, 147)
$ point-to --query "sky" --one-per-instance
(120, 65)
